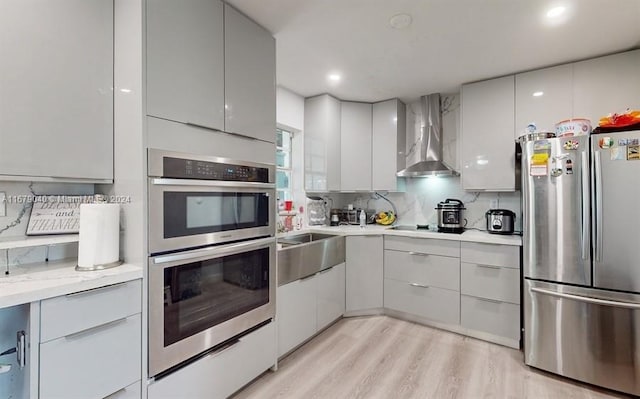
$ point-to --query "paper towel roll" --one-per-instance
(99, 241)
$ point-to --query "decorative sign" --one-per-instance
(56, 214)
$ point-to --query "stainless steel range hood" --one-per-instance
(429, 143)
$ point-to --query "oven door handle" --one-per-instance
(215, 252)
(210, 183)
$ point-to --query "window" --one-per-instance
(283, 164)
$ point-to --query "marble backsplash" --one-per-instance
(18, 209)
(417, 204)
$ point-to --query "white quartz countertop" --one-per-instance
(372, 229)
(29, 283)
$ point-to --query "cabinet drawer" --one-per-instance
(490, 254)
(498, 318)
(221, 373)
(492, 282)
(79, 311)
(133, 391)
(93, 363)
(431, 303)
(432, 270)
(423, 245)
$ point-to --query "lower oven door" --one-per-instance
(201, 298)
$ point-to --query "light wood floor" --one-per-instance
(382, 357)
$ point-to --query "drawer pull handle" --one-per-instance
(489, 300)
(94, 290)
(92, 330)
(489, 267)
(225, 348)
(326, 270)
(116, 393)
(418, 285)
(308, 277)
(418, 253)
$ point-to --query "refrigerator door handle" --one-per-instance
(585, 206)
(598, 207)
(595, 301)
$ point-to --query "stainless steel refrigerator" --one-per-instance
(581, 253)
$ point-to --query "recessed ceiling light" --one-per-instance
(538, 93)
(334, 77)
(555, 12)
(400, 21)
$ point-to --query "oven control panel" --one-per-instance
(180, 168)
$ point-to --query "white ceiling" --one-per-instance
(450, 42)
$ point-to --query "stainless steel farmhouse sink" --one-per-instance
(303, 255)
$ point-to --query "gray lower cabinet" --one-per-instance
(56, 85)
(422, 278)
(468, 287)
(296, 306)
(490, 287)
(221, 373)
(364, 274)
(97, 355)
(429, 302)
(306, 306)
(331, 295)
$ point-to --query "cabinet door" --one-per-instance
(364, 273)
(331, 295)
(250, 77)
(322, 143)
(488, 148)
(543, 97)
(606, 85)
(296, 313)
(388, 144)
(185, 67)
(92, 363)
(355, 143)
(56, 97)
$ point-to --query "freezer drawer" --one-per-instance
(586, 334)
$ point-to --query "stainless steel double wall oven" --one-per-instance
(212, 253)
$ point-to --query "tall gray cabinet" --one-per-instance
(211, 67)
(56, 95)
(185, 67)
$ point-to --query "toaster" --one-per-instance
(500, 221)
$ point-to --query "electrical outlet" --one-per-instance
(3, 204)
(493, 204)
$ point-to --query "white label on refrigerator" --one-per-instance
(539, 170)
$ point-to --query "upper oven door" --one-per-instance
(192, 213)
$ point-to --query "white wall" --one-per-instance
(289, 109)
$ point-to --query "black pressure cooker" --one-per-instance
(450, 218)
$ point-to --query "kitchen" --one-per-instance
(152, 135)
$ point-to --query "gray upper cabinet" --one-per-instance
(185, 67)
(322, 143)
(250, 77)
(355, 143)
(209, 65)
(388, 144)
(606, 85)
(488, 147)
(56, 96)
(543, 97)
